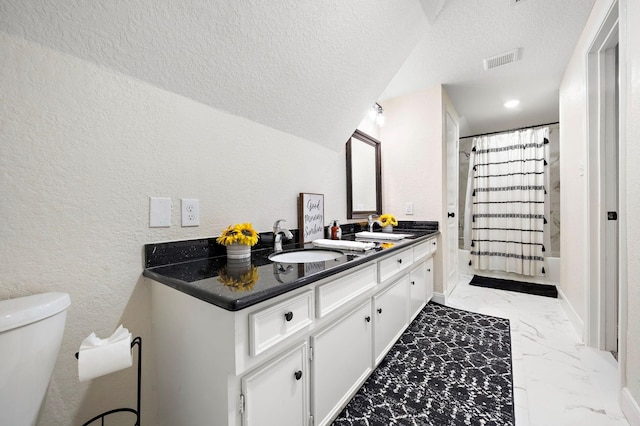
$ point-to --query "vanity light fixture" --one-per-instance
(377, 113)
(512, 103)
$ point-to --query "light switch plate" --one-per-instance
(190, 208)
(159, 212)
(408, 208)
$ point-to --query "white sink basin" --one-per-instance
(305, 256)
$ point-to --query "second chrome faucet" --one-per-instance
(279, 233)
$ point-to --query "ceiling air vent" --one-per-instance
(501, 59)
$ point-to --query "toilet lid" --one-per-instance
(26, 310)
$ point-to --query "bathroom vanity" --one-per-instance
(282, 357)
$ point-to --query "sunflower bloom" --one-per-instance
(248, 235)
(388, 219)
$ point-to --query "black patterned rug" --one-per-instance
(450, 367)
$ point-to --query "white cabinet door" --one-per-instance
(429, 265)
(390, 316)
(341, 361)
(277, 393)
(418, 280)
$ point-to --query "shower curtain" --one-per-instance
(505, 208)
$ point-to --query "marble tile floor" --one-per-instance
(558, 381)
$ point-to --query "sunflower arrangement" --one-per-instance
(388, 219)
(239, 281)
(241, 233)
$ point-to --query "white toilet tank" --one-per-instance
(31, 331)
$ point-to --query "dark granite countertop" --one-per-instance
(201, 269)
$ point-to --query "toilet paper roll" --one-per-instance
(98, 357)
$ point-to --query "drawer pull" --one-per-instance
(379, 310)
(367, 318)
(399, 260)
(288, 316)
(298, 375)
(413, 283)
(428, 269)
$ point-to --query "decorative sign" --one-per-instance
(310, 217)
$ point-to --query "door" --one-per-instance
(610, 173)
(390, 316)
(276, 394)
(340, 362)
(451, 252)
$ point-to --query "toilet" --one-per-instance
(31, 331)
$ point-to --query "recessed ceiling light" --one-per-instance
(512, 103)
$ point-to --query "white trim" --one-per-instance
(605, 37)
(438, 298)
(573, 316)
(629, 407)
(622, 206)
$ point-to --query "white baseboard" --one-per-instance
(574, 318)
(630, 407)
(438, 298)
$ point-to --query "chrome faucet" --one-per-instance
(278, 233)
(371, 222)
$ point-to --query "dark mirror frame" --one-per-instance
(355, 214)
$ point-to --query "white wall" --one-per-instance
(631, 51)
(82, 148)
(412, 161)
(573, 146)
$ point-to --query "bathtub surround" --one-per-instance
(517, 286)
(450, 367)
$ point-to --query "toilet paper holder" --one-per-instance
(135, 342)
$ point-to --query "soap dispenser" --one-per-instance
(336, 231)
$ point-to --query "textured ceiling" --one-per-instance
(313, 68)
(466, 31)
(309, 68)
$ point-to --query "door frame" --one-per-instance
(600, 126)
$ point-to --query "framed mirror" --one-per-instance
(364, 176)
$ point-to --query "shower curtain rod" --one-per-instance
(510, 130)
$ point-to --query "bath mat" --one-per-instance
(450, 367)
(510, 285)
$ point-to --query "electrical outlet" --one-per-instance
(408, 208)
(190, 211)
(159, 212)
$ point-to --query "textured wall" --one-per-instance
(412, 160)
(82, 148)
(573, 101)
(632, 38)
(303, 67)
(573, 139)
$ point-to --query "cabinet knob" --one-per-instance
(367, 318)
(288, 316)
(399, 260)
(379, 310)
(298, 375)
(413, 283)
(428, 270)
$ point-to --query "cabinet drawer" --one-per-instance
(272, 325)
(394, 264)
(422, 250)
(336, 293)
